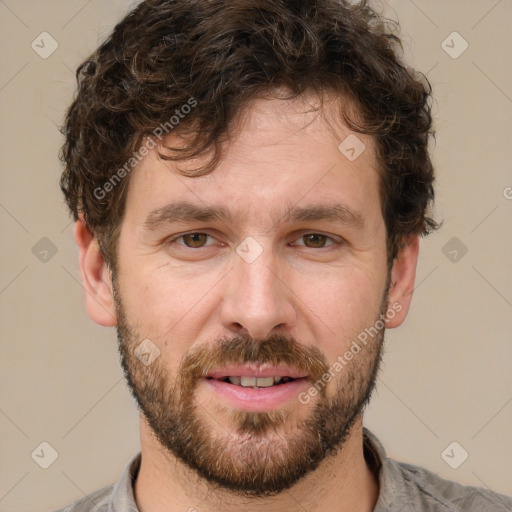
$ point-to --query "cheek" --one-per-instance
(344, 304)
(166, 304)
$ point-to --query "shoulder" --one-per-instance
(98, 501)
(411, 488)
(116, 497)
(438, 494)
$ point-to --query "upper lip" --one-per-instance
(253, 370)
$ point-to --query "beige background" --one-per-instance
(446, 375)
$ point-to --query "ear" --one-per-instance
(401, 287)
(96, 279)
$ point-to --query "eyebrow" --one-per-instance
(328, 212)
(184, 211)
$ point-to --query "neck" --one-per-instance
(343, 483)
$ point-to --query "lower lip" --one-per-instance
(260, 399)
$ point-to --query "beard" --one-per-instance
(259, 453)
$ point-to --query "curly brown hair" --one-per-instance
(218, 55)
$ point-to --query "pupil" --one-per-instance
(316, 239)
(196, 239)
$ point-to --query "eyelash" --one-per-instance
(173, 240)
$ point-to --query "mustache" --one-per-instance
(274, 350)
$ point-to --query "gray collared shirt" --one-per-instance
(403, 488)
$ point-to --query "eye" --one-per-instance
(192, 240)
(316, 240)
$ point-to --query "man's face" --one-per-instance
(275, 288)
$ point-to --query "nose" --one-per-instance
(257, 301)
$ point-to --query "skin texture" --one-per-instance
(189, 301)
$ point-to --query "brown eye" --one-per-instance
(194, 240)
(315, 240)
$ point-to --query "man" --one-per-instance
(249, 181)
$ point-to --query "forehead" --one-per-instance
(279, 152)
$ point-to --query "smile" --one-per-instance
(256, 388)
(256, 382)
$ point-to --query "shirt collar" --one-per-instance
(123, 499)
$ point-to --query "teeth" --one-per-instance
(265, 382)
(248, 381)
(260, 382)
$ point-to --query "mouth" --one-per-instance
(246, 381)
(256, 388)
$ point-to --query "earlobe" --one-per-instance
(96, 279)
(401, 286)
